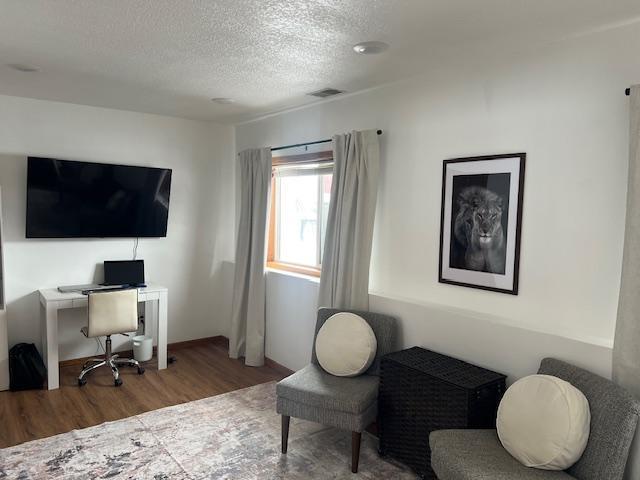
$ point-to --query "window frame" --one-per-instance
(272, 240)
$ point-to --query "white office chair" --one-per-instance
(111, 312)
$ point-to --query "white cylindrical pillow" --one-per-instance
(346, 345)
(544, 422)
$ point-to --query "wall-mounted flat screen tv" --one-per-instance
(67, 199)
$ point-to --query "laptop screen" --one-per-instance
(124, 272)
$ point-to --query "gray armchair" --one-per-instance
(478, 454)
(347, 403)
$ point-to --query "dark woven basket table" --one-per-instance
(422, 391)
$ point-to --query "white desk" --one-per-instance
(51, 300)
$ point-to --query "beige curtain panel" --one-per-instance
(626, 350)
(626, 347)
(248, 315)
(344, 281)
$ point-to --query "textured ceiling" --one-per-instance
(171, 56)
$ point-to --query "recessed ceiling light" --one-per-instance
(23, 68)
(223, 100)
(370, 48)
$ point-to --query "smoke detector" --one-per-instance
(370, 48)
(326, 92)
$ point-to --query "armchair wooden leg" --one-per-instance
(355, 450)
(285, 432)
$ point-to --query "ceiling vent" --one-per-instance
(326, 92)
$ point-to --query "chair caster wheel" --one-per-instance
(82, 381)
(117, 382)
(140, 370)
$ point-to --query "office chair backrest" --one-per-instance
(112, 312)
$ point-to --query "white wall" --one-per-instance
(291, 318)
(200, 231)
(564, 105)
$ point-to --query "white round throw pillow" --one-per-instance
(346, 345)
(544, 422)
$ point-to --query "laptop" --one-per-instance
(129, 273)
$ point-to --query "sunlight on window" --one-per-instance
(302, 206)
(298, 224)
(298, 216)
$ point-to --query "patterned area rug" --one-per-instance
(231, 436)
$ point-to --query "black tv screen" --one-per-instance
(67, 199)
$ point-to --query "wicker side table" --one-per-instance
(422, 391)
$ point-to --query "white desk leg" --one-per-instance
(162, 330)
(50, 345)
(43, 333)
(151, 320)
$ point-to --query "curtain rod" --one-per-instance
(379, 132)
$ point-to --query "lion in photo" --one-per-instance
(478, 229)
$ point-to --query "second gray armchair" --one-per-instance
(475, 454)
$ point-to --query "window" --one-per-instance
(300, 194)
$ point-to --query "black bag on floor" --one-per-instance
(26, 368)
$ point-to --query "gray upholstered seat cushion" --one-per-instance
(314, 387)
(479, 455)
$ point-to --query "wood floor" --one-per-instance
(201, 370)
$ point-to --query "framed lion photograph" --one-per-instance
(481, 221)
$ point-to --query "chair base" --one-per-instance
(111, 361)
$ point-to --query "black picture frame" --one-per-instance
(479, 245)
